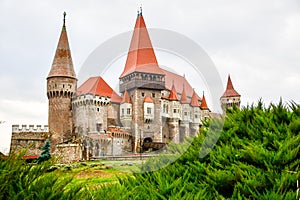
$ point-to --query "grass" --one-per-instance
(96, 173)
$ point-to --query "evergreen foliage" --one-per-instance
(45, 155)
(256, 157)
(20, 180)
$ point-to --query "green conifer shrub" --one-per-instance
(45, 155)
(256, 157)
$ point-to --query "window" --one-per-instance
(98, 109)
(143, 94)
(196, 116)
(153, 95)
(185, 113)
(99, 127)
(128, 111)
(148, 111)
(174, 110)
(122, 111)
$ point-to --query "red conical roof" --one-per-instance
(179, 81)
(97, 86)
(230, 91)
(203, 105)
(195, 100)
(148, 100)
(141, 56)
(183, 98)
(62, 63)
(173, 94)
(126, 98)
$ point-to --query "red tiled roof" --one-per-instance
(30, 157)
(62, 63)
(99, 136)
(97, 86)
(230, 91)
(148, 100)
(203, 105)
(195, 100)
(141, 56)
(173, 94)
(126, 98)
(179, 82)
(184, 98)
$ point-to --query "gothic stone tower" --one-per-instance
(230, 96)
(144, 81)
(61, 87)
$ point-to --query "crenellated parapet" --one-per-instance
(89, 99)
(29, 128)
(29, 137)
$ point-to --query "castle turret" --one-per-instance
(126, 110)
(186, 116)
(195, 114)
(61, 87)
(204, 108)
(143, 79)
(230, 97)
(175, 114)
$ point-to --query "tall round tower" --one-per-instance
(61, 87)
(230, 97)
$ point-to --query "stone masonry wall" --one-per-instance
(30, 138)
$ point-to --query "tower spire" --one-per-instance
(173, 94)
(203, 105)
(230, 91)
(194, 100)
(184, 98)
(62, 65)
(64, 19)
(141, 56)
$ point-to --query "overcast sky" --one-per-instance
(256, 41)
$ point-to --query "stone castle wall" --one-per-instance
(32, 138)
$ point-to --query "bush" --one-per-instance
(256, 157)
(20, 180)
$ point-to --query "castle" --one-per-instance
(155, 106)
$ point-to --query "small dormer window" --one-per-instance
(196, 116)
(122, 111)
(148, 111)
(128, 111)
(153, 95)
(143, 94)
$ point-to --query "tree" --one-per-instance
(45, 155)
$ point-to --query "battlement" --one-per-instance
(89, 99)
(29, 128)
